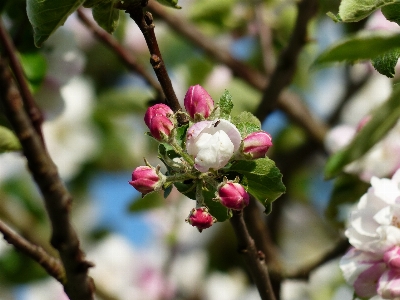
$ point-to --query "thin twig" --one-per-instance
(254, 259)
(290, 103)
(58, 201)
(120, 51)
(340, 248)
(144, 20)
(264, 36)
(51, 264)
(33, 110)
(287, 62)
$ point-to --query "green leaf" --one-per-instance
(392, 12)
(106, 15)
(150, 201)
(47, 15)
(35, 67)
(188, 188)
(262, 177)
(383, 120)
(386, 62)
(215, 208)
(170, 3)
(226, 105)
(8, 140)
(356, 10)
(366, 45)
(181, 135)
(347, 190)
(91, 3)
(246, 123)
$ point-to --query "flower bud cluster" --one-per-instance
(211, 143)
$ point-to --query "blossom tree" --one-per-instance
(242, 122)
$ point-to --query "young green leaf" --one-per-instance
(356, 10)
(226, 105)
(386, 62)
(150, 201)
(366, 45)
(392, 12)
(383, 120)
(35, 67)
(262, 178)
(106, 15)
(246, 123)
(47, 15)
(8, 141)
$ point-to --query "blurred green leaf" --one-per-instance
(226, 105)
(91, 3)
(47, 15)
(384, 118)
(392, 12)
(170, 3)
(8, 140)
(148, 202)
(386, 62)
(356, 10)
(347, 189)
(262, 177)
(122, 101)
(106, 15)
(35, 68)
(366, 45)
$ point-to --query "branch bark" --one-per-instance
(57, 200)
(254, 259)
(51, 264)
(33, 110)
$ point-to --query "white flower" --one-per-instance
(212, 143)
(373, 265)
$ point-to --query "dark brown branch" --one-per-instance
(144, 20)
(340, 248)
(57, 200)
(51, 264)
(30, 104)
(255, 260)
(287, 62)
(288, 102)
(121, 52)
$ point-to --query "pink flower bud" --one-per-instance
(156, 110)
(256, 144)
(392, 258)
(197, 100)
(200, 218)
(159, 126)
(233, 195)
(146, 179)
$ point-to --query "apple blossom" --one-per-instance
(157, 119)
(212, 143)
(157, 110)
(373, 265)
(146, 179)
(200, 218)
(256, 144)
(198, 101)
(233, 195)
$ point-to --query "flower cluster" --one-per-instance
(198, 155)
(372, 265)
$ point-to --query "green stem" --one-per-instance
(180, 177)
(182, 153)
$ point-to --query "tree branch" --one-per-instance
(255, 260)
(30, 104)
(121, 52)
(288, 102)
(51, 264)
(57, 200)
(144, 20)
(287, 62)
